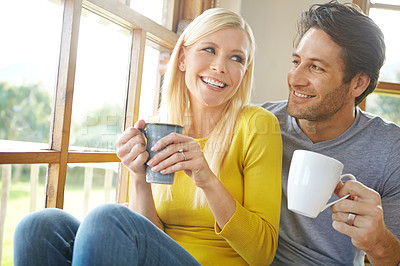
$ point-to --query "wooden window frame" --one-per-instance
(58, 155)
(387, 88)
(144, 31)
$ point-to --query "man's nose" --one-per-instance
(297, 76)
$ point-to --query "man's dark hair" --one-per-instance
(361, 40)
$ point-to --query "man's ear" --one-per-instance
(359, 84)
(181, 58)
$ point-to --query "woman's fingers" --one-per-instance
(178, 159)
(171, 139)
(131, 148)
(175, 153)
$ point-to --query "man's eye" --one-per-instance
(237, 58)
(317, 68)
(295, 62)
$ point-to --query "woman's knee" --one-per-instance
(115, 218)
(108, 214)
(38, 222)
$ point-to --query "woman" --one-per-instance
(224, 206)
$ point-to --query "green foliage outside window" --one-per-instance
(24, 113)
(386, 106)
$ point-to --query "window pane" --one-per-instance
(152, 9)
(26, 191)
(386, 106)
(154, 67)
(100, 83)
(89, 185)
(388, 2)
(389, 21)
(30, 32)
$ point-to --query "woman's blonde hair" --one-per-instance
(175, 103)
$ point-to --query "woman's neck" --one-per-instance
(204, 121)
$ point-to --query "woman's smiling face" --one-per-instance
(215, 66)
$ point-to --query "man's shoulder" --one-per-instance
(378, 123)
(275, 106)
(257, 113)
(278, 108)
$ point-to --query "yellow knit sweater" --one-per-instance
(251, 171)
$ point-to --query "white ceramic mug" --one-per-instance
(312, 179)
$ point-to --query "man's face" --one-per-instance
(316, 90)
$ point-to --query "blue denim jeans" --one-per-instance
(111, 234)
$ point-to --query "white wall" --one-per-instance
(234, 5)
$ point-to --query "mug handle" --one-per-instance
(143, 130)
(350, 176)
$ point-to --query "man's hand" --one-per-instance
(368, 231)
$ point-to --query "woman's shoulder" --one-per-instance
(257, 123)
(252, 112)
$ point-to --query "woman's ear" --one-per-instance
(181, 58)
(359, 84)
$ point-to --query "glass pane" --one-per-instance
(30, 32)
(153, 9)
(388, 21)
(153, 67)
(100, 83)
(386, 106)
(25, 185)
(388, 2)
(89, 185)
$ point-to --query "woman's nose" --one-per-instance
(219, 65)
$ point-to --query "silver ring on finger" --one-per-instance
(183, 154)
(350, 219)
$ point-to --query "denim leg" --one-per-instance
(112, 234)
(45, 237)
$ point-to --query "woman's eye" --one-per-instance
(237, 58)
(210, 50)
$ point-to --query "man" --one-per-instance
(335, 66)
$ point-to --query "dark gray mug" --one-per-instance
(154, 132)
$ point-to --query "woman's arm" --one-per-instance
(253, 229)
(131, 149)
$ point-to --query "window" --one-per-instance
(84, 63)
(71, 75)
(153, 9)
(102, 69)
(28, 69)
(385, 101)
(71, 78)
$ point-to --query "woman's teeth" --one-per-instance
(213, 83)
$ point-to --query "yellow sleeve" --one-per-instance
(253, 229)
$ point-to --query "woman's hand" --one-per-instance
(170, 159)
(192, 161)
(131, 149)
